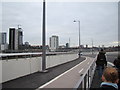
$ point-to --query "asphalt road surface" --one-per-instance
(111, 56)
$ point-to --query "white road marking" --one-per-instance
(81, 70)
(61, 75)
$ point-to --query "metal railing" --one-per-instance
(86, 78)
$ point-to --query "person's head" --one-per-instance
(117, 63)
(110, 74)
(101, 50)
(119, 57)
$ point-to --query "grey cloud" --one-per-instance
(98, 21)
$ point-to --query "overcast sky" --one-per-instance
(99, 21)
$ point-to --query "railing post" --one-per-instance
(88, 79)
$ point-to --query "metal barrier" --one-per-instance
(86, 79)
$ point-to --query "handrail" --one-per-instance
(17, 54)
(86, 72)
(5, 56)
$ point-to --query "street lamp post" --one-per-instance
(44, 41)
(92, 46)
(79, 36)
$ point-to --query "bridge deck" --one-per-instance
(96, 80)
(75, 75)
(37, 79)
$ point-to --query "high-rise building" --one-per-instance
(86, 46)
(3, 41)
(54, 43)
(67, 45)
(20, 36)
(3, 38)
(15, 38)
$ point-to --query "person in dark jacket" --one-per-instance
(101, 62)
(117, 66)
(110, 79)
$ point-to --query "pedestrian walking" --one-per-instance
(117, 66)
(101, 62)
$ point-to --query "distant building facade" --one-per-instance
(86, 46)
(3, 38)
(27, 44)
(54, 43)
(20, 36)
(67, 45)
(3, 41)
(15, 38)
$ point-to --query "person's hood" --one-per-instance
(109, 84)
(102, 52)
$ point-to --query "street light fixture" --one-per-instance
(79, 35)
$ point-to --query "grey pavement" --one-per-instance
(37, 79)
(0, 86)
(71, 78)
(96, 80)
(90, 55)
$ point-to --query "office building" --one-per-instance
(27, 44)
(20, 37)
(3, 38)
(67, 45)
(54, 43)
(86, 46)
(15, 38)
(3, 41)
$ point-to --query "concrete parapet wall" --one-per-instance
(12, 69)
(15, 68)
(59, 59)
